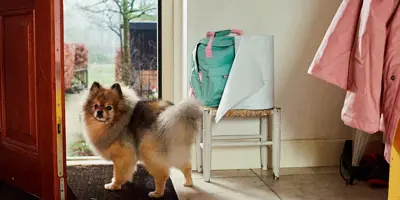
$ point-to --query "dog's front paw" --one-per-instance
(155, 194)
(188, 184)
(112, 186)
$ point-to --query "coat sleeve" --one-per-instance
(331, 62)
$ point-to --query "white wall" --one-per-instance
(312, 131)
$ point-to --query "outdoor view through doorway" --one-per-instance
(97, 33)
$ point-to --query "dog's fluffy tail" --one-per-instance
(187, 112)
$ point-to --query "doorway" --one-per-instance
(107, 42)
(97, 34)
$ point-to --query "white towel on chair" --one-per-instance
(250, 84)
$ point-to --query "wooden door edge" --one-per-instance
(61, 177)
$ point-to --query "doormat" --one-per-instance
(87, 183)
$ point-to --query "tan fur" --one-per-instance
(155, 163)
(124, 160)
(153, 153)
(158, 106)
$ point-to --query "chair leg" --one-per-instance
(207, 145)
(276, 141)
(264, 137)
(199, 150)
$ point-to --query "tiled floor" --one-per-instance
(307, 184)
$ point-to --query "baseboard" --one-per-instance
(311, 153)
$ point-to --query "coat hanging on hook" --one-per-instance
(359, 54)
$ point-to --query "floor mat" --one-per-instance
(87, 183)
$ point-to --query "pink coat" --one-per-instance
(361, 54)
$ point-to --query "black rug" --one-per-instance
(87, 183)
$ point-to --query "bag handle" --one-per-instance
(224, 32)
(213, 34)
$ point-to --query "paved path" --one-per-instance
(73, 121)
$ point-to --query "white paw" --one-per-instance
(112, 186)
(188, 184)
(155, 195)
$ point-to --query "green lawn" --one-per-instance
(102, 73)
(76, 145)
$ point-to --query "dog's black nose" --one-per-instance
(100, 114)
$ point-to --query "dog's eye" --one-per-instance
(96, 106)
(109, 108)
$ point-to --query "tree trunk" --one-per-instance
(126, 71)
(121, 42)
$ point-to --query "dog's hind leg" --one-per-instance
(187, 172)
(155, 164)
(160, 174)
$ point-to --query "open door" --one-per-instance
(32, 147)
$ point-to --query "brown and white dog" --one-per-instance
(124, 129)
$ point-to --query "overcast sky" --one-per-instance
(79, 27)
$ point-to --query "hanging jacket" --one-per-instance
(360, 53)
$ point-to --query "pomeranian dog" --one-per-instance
(122, 128)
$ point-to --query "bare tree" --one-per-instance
(117, 11)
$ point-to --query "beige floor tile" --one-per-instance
(233, 188)
(298, 171)
(259, 193)
(307, 183)
(246, 172)
(199, 196)
(177, 174)
(323, 187)
(232, 173)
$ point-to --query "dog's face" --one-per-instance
(105, 105)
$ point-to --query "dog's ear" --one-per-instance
(117, 88)
(95, 87)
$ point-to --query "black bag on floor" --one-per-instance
(345, 167)
(372, 168)
(377, 170)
